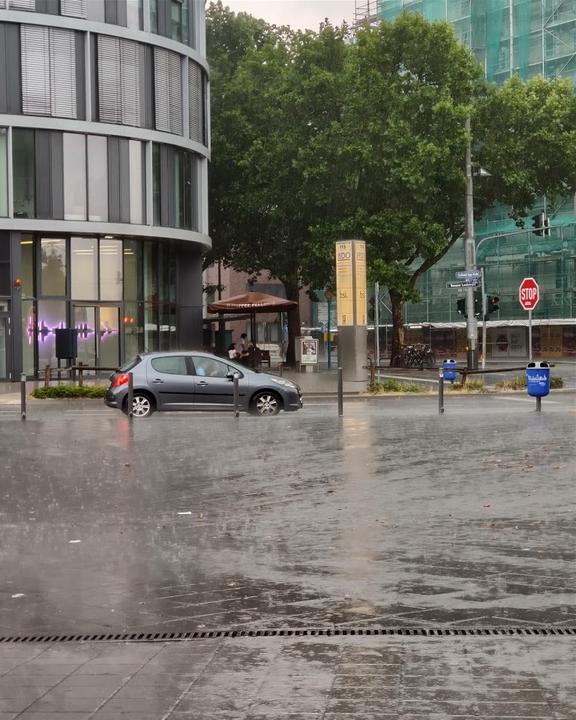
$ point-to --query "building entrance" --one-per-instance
(98, 334)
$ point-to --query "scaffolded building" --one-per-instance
(526, 38)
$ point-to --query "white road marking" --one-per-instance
(530, 400)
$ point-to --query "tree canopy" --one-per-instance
(317, 138)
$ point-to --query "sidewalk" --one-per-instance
(292, 679)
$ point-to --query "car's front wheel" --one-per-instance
(142, 405)
(266, 403)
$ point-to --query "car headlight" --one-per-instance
(285, 383)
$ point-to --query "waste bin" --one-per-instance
(538, 379)
(449, 368)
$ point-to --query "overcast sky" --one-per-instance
(301, 14)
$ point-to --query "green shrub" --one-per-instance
(469, 386)
(69, 391)
(519, 383)
(391, 385)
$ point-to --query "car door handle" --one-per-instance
(202, 383)
(157, 381)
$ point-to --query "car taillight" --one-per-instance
(121, 379)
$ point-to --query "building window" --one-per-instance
(84, 268)
(132, 250)
(174, 187)
(120, 65)
(74, 148)
(23, 5)
(97, 178)
(3, 173)
(134, 14)
(168, 86)
(156, 194)
(197, 105)
(74, 8)
(23, 170)
(96, 11)
(51, 316)
(110, 269)
(48, 71)
(53, 267)
(136, 151)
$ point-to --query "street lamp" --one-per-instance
(470, 254)
(470, 258)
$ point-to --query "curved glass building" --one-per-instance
(103, 178)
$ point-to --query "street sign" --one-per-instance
(529, 293)
(468, 274)
(463, 284)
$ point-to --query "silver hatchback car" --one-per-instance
(198, 381)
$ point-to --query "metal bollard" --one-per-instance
(130, 395)
(441, 391)
(23, 396)
(340, 393)
(538, 404)
(236, 395)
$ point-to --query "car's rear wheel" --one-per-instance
(266, 402)
(142, 405)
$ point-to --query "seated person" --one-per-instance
(233, 354)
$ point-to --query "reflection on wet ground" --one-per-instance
(389, 516)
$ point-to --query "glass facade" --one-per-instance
(3, 172)
(119, 294)
(524, 37)
(23, 173)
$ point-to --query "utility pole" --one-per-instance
(470, 257)
(377, 328)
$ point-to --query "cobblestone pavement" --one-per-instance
(292, 679)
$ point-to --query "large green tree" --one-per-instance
(399, 149)
(283, 91)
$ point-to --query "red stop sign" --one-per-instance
(529, 293)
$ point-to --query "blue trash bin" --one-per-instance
(538, 379)
(449, 368)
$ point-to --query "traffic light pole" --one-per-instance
(470, 264)
(484, 313)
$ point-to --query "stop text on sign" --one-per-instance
(529, 293)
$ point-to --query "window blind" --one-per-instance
(109, 87)
(63, 73)
(73, 8)
(120, 64)
(48, 71)
(35, 48)
(196, 101)
(168, 90)
(23, 5)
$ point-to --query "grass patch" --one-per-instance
(69, 391)
(391, 385)
(519, 383)
(469, 386)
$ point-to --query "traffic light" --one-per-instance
(461, 306)
(492, 304)
(541, 224)
(477, 305)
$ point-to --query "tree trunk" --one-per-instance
(292, 293)
(397, 325)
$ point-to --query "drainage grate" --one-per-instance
(502, 631)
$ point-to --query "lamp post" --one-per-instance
(470, 259)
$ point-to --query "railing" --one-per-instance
(74, 372)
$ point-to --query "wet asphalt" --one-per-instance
(390, 516)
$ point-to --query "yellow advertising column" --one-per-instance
(351, 308)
